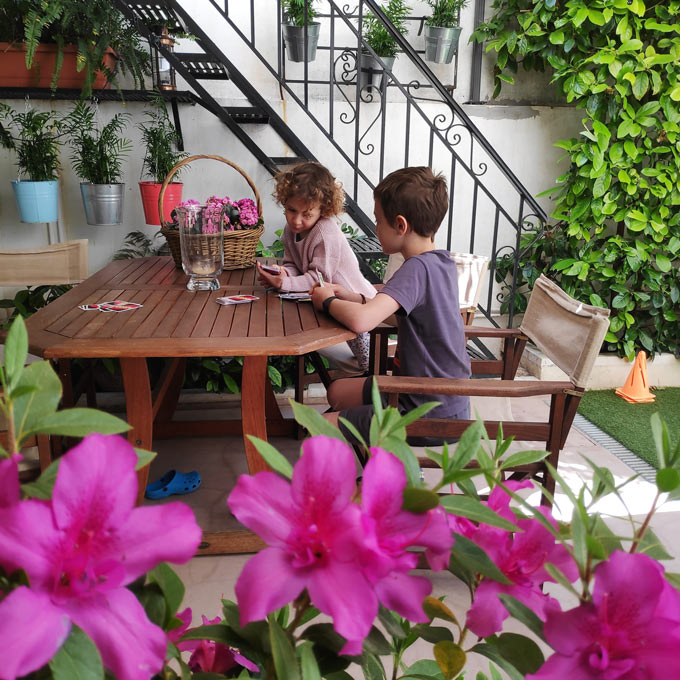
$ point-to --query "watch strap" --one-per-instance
(327, 303)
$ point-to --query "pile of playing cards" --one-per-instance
(298, 297)
(236, 299)
(111, 306)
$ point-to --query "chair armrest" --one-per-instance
(484, 332)
(471, 388)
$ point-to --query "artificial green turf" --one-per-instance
(629, 423)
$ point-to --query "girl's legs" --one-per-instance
(344, 393)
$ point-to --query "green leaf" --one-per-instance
(391, 623)
(450, 657)
(522, 652)
(436, 609)
(42, 487)
(492, 652)
(467, 447)
(16, 351)
(663, 263)
(523, 458)
(556, 37)
(523, 614)
(667, 479)
(283, 652)
(419, 500)
(170, 584)
(471, 557)
(433, 634)
(375, 643)
(651, 545)
(308, 663)
(463, 506)
(144, 458)
(77, 659)
(371, 667)
(78, 422)
(314, 422)
(272, 457)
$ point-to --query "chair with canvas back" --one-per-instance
(569, 333)
(52, 265)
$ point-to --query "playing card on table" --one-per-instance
(297, 297)
(118, 306)
(236, 299)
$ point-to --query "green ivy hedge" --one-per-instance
(617, 240)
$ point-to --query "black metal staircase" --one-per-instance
(490, 206)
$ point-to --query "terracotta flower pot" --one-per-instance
(150, 193)
(13, 71)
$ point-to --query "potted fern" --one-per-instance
(161, 155)
(96, 158)
(442, 30)
(377, 37)
(298, 29)
(35, 136)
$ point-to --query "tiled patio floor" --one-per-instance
(221, 460)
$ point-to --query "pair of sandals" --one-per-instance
(173, 483)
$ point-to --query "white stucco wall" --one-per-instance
(522, 135)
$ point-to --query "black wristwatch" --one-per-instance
(327, 303)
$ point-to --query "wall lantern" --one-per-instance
(163, 71)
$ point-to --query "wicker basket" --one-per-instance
(239, 245)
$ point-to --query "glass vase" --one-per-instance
(202, 244)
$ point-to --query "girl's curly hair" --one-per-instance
(312, 182)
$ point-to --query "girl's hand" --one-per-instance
(320, 293)
(273, 280)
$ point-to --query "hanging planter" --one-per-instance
(150, 194)
(36, 137)
(37, 201)
(372, 71)
(97, 156)
(441, 43)
(294, 40)
(442, 30)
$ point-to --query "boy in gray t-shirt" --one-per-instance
(409, 207)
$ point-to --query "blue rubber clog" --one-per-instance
(172, 483)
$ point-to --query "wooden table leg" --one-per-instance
(169, 389)
(139, 411)
(253, 408)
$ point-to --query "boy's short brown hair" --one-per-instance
(416, 194)
(312, 182)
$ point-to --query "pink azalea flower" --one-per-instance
(309, 526)
(521, 556)
(80, 550)
(212, 657)
(185, 621)
(9, 480)
(389, 530)
(630, 630)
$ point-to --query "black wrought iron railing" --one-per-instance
(363, 117)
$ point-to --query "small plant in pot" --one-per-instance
(378, 38)
(298, 24)
(442, 30)
(161, 154)
(35, 136)
(97, 156)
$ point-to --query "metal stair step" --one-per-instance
(368, 247)
(156, 14)
(247, 114)
(287, 160)
(202, 66)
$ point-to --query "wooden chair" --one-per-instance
(570, 334)
(52, 265)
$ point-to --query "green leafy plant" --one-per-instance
(137, 244)
(377, 36)
(445, 13)
(93, 27)
(97, 154)
(29, 300)
(161, 139)
(295, 11)
(36, 138)
(617, 240)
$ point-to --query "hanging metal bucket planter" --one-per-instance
(441, 43)
(372, 72)
(37, 201)
(294, 38)
(103, 203)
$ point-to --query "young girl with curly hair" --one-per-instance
(314, 244)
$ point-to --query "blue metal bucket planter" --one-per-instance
(37, 201)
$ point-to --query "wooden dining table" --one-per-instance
(176, 323)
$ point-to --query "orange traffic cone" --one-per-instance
(636, 387)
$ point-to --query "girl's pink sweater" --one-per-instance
(323, 248)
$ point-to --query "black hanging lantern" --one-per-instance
(163, 71)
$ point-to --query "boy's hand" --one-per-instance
(273, 280)
(335, 289)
